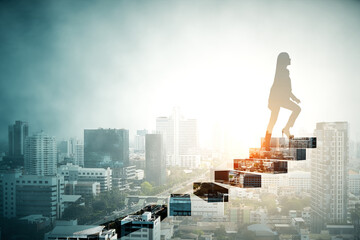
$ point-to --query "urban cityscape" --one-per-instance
(112, 128)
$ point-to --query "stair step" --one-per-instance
(288, 154)
(238, 178)
(211, 192)
(190, 205)
(180, 205)
(273, 166)
(300, 142)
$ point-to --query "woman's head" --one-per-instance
(283, 60)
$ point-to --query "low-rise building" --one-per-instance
(354, 182)
(76, 173)
(80, 232)
(141, 227)
(85, 189)
(23, 195)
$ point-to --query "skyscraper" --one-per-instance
(155, 171)
(16, 137)
(181, 139)
(17, 134)
(106, 147)
(329, 175)
(40, 155)
(71, 151)
(140, 140)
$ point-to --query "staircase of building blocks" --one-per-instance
(246, 173)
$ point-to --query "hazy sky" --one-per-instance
(70, 65)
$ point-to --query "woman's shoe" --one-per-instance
(286, 131)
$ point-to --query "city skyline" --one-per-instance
(207, 120)
(216, 52)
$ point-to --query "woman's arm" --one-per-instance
(295, 99)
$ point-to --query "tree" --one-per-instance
(146, 188)
(220, 233)
(269, 202)
(293, 203)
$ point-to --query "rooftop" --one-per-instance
(70, 198)
(77, 230)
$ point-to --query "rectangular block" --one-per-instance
(211, 192)
(238, 179)
(205, 209)
(301, 142)
(288, 154)
(305, 142)
(298, 153)
(180, 205)
(277, 142)
(261, 165)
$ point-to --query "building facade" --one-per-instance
(140, 227)
(140, 141)
(329, 175)
(85, 189)
(155, 170)
(72, 172)
(17, 134)
(354, 183)
(40, 155)
(180, 138)
(106, 148)
(71, 151)
(23, 195)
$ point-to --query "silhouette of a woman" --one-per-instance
(280, 95)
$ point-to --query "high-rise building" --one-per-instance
(106, 147)
(75, 151)
(140, 141)
(40, 155)
(71, 151)
(329, 175)
(79, 153)
(17, 134)
(155, 170)
(23, 195)
(16, 137)
(181, 139)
